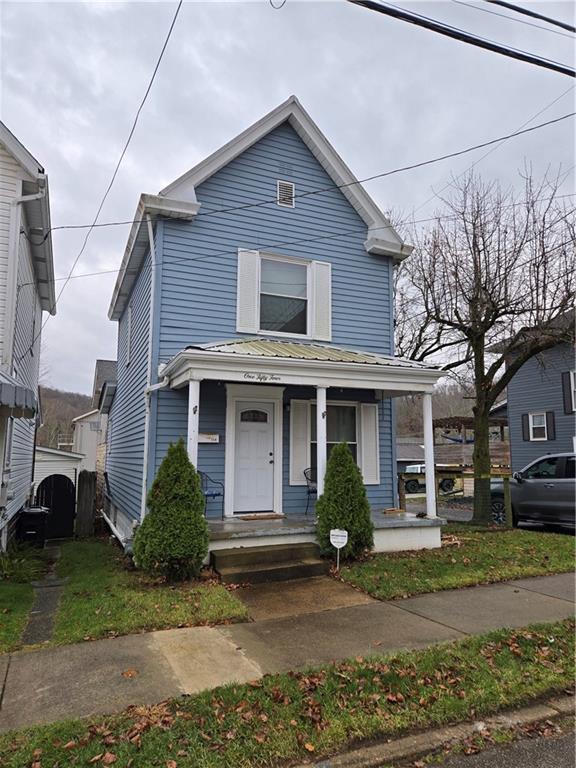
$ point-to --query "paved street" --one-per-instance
(552, 752)
(298, 624)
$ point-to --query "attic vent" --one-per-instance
(285, 194)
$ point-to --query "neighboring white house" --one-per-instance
(26, 291)
(87, 428)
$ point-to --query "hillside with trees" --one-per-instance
(58, 410)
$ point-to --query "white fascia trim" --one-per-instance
(251, 369)
(19, 152)
(292, 111)
(56, 452)
(84, 415)
(379, 246)
(137, 244)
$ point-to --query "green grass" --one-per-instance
(103, 599)
(474, 557)
(15, 604)
(288, 717)
(17, 568)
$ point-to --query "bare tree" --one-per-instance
(490, 286)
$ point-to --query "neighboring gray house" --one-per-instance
(26, 291)
(540, 405)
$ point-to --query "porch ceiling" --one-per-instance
(267, 361)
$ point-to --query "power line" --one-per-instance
(463, 37)
(334, 187)
(329, 236)
(494, 148)
(533, 14)
(511, 18)
(117, 168)
(115, 173)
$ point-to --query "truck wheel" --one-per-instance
(447, 485)
(412, 486)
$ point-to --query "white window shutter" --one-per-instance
(321, 301)
(248, 292)
(299, 441)
(370, 444)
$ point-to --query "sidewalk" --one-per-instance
(106, 676)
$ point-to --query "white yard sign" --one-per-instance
(338, 539)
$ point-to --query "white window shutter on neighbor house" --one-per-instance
(248, 295)
(299, 445)
(322, 301)
(370, 443)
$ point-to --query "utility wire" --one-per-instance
(494, 148)
(533, 14)
(118, 164)
(329, 236)
(511, 18)
(322, 190)
(463, 37)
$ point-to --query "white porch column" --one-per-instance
(320, 438)
(193, 414)
(429, 456)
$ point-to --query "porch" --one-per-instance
(259, 413)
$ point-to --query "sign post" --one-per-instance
(338, 539)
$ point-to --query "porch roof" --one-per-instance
(270, 361)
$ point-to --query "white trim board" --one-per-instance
(258, 394)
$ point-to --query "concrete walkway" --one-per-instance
(329, 622)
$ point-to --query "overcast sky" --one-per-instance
(385, 93)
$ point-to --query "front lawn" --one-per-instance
(468, 556)
(290, 717)
(103, 599)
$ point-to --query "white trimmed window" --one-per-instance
(353, 423)
(573, 389)
(538, 429)
(283, 296)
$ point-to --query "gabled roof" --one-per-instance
(37, 205)
(178, 200)
(104, 370)
(382, 238)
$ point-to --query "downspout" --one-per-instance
(8, 351)
(149, 388)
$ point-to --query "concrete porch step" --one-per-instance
(280, 562)
(273, 554)
(287, 570)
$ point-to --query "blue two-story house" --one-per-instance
(255, 320)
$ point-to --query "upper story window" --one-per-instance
(285, 194)
(573, 390)
(538, 429)
(284, 296)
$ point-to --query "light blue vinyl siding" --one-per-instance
(198, 293)
(379, 496)
(537, 387)
(26, 354)
(124, 462)
(172, 424)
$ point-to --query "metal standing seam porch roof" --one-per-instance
(301, 351)
(18, 400)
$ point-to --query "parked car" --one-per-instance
(543, 492)
(418, 482)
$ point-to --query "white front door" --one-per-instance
(254, 459)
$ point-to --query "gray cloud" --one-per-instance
(385, 93)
